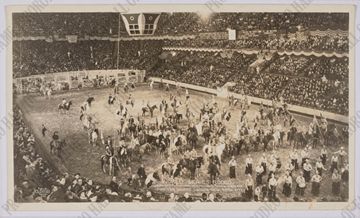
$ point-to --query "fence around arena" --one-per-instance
(221, 92)
(64, 81)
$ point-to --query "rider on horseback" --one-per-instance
(63, 103)
(109, 151)
(55, 136)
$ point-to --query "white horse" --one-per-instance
(93, 136)
(199, 128)
(217, 150)
(217, 118)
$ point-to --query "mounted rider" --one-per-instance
(109, 151)
(63, 102)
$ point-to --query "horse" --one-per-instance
(145, 148)
(111, 100)
(152, 178)
(122, 154)
(84, 107)
(90, 100)
(300, 139)
(218, 151)
(291, 135)
(56, 147)
(148, 109)
(111, 163)
(130, 101)
(192, 165)
(168, 169)
(93, 136)
(215, 159)
(192, 137)
(332, 136)
(65, 108)
(86, 121)
(178, 117)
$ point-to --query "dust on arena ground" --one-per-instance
(80, 157)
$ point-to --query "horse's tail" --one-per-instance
(163, 169)
(102, 161)
(111, 165)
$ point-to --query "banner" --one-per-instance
(71, 38)
(141, 24)
(232, 34)
(132, 23)
(150, 21)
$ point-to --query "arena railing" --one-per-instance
(255, 100)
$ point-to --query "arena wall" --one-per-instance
(75, 80)
(254, 100)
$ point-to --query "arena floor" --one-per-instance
(80, 157)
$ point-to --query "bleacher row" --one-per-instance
(106, 24)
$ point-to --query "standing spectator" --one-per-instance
(323, 155)
(345, 173)
(249, 184)
(307, 170)
(319, 166)
(248, 165)
(287, 185)
(257, 193)
(334, 163)
(315, 187)
(301, 185)
(336, 178)
(114, 186)
(142, 174)
(213, 171)
(272, 187)
(259, 174)
(232, 164)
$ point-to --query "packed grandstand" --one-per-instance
(299, 58)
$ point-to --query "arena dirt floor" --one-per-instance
(80, 157)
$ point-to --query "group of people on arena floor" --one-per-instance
(298, 162)
(300, 170)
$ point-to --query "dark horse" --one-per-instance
(65, 107)
(149, 109)
(90, 100)
(192, 165)
(56, 147)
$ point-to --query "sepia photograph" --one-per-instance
(198, 104)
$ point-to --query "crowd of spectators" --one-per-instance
(315, 82)
(329, 43)
(201, 68)
(107, 24)
(180, 23)
(40, 57)
(278, 21)
(61, 24)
